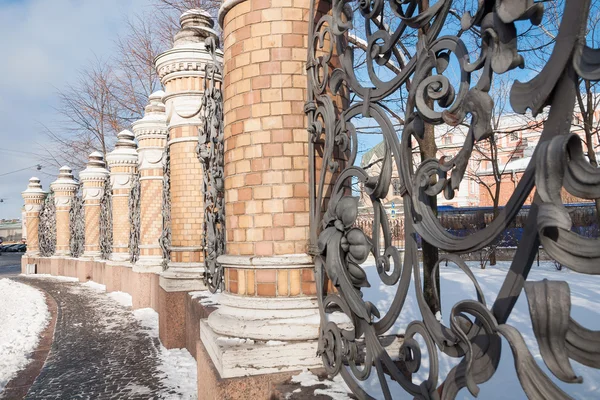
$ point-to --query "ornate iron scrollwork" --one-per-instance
(165, 237)
(210, 153)
(134, 217)
(106, 235)
(77, 224)
(474, 336)
(47, 227)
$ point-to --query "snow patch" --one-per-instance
(95, 285)
(122, 298)
(178, 367)
(53, 277)
(23, 316)
(206, 297)
(232, 341)
(336, 388)
(456, 286)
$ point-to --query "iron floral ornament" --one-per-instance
(355, 348)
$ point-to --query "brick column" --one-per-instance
(93, 177)
(182, 70)
(123, 164)
(34, 199)
(64, 188)
(269, 279)
(151, 134)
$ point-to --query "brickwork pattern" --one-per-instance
(271, 282)
(33, 222)
(187, 209)
(266, 142)
(63, 232)
(151, 211)
(92, 226)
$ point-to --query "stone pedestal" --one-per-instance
(269, 299)
(93, 177)
(182, 71)
(34, 197)
(64, 188)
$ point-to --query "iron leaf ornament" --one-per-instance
(210, 152)
(351, 339)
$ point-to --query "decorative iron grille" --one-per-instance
(165, 237)
(210, 154)
(77, 224)
(47, 227)
(106, 234)
(337, 95)
(134, 217)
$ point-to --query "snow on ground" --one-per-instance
(122, 298)
(94, 285)
(23, 316)
(53, 277)
(455, 286)
(178, 367)
(335, 388)
(206, 297)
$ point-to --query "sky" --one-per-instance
(44, 44)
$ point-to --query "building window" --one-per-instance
(448, 139)
(514, 136)
(396, 187)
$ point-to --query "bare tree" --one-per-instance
(90, 117)
(136, 77)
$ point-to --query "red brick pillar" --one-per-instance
(93, 177)
(182, 70)
(269, 279)
(34, 199)
(123, 164)
(151, 134)
(64, 188)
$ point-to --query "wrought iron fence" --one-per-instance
(77, 224)
(106, 234)
(165, 237)
(47, 227)
(134, 217)
(337, 95)
(210, 152)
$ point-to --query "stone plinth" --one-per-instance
(34, 197)
(151, 134)
(123, 162)
(93, 177)
(64, 189)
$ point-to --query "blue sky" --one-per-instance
(44, 44)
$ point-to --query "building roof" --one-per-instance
(377, 151)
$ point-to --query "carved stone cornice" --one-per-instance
(95, 173)
(154, 122)
(188, 57)
(64, 187)
(125, 152)
(34, 195)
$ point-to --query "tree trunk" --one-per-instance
(430, 252)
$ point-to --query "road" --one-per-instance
(10, 264)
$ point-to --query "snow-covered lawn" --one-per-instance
(23, 316)
(455, 286)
